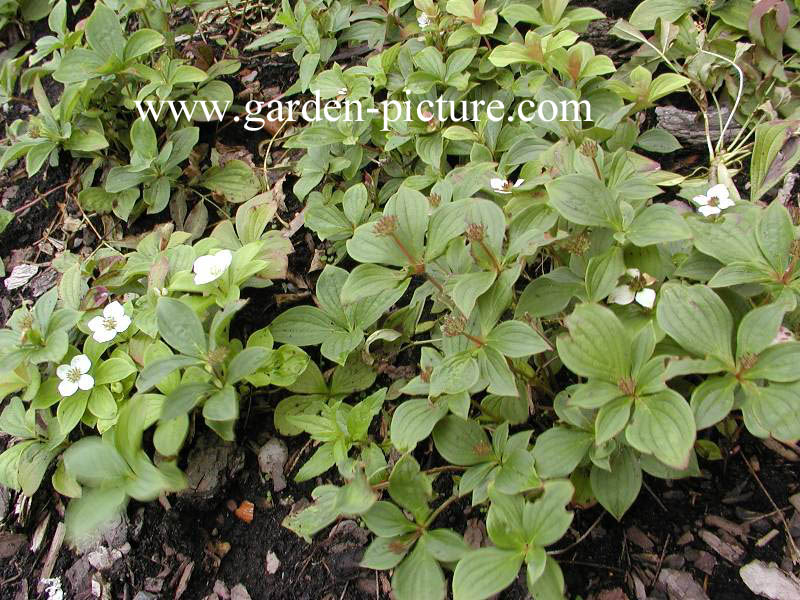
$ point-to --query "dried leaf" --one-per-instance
(770, 581)
(20, 276)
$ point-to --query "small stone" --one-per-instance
(221, 590)
(273, 564)
(272, 459)
(239, 592)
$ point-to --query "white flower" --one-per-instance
(342, 91)
(74, 376)
(504, 186)
(423, 21)
(113, 321)
(716, 199)
(783, 335)
(211, 266)
(635, 290)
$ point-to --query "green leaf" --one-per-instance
(612, 418)
(758, 329)
(603, 272)
(170, 435)
(712, 400)
(410, 488)
(597, 344)
(648, 12)
(663, 425)
(658, 140)
(71, 410)
(142, 42)
(386, 552)
(104, 33)
(222, 406)
(386, 520)
(559, 450)
(247, 362)
(468, 289)
(775, 235)
(354, 498)
(776, 363)
(371, 280)
(515, 339)
(92, 510)
(158, 370)
(113, 369)
(180, 327)
(419, 576)
(584, 200)
(93, 461)
(235, 180)
(413, 421)
(302, 326)
(485, 572)
(617, 490)
(102, 404)
(549, 294)
(5, 218)
(658, 224)
(494, 368)
(319, 463)
(453, 375)
(445, 545)
(665, 84)
(550, 584)
(183, 399)
(697, 319)
(775, 153)
(461, 441)
(546, 520)
(774, 409)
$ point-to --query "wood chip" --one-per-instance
(729, 551)
(766, 539)
(679, 585)
(10, 543)
(739, 531)
(183, 582)
(640, 538)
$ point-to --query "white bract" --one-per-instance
(636, 290)
(113, 321)
(423, 21)
(784, 335)
(715, 200)
(342, 91)
(504, 186)
(211, 266)
(74, 376)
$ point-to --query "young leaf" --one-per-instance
(697, 319)
(485, 572)
(413, 421)
(597, 344)
(461, 442)
(663, 425)
(179, 326)
(617, 490)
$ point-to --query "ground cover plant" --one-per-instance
(508, 316)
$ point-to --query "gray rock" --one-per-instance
(212, 465)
